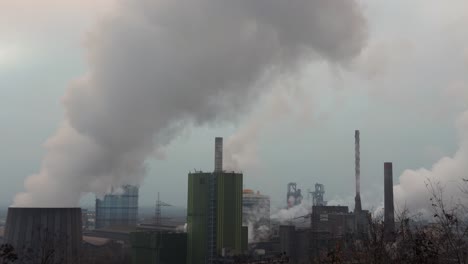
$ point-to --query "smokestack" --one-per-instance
(218, 154)
(389, 220)
(357, 163)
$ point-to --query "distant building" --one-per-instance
(256, 214)
(294, 195)
(318, 195)
(119, 208)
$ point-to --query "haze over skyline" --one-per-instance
(405, 91)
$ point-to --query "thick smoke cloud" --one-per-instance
(447, 173)
(158, 66)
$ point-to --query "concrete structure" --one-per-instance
(335, 220)
(287, 240)
(158, 247)
(117, 209)
(245, 239)
(295, 243)
(256, 214)
(36, 233)
(214, 213)
(389, 211)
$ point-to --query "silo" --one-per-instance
(45, 233)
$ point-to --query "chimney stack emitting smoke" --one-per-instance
(357, 156)
(218, 154)
(389, 212)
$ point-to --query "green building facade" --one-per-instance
(214, 215)
(229, 212)
(158, 247)
(197, 217)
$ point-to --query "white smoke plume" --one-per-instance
(155, 67)
(411, 193)
(256, 216)
(293, 214)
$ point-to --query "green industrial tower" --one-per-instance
(229, 212)
(214, 213)
(197, 217)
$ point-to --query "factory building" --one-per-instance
(256, 214)
(295, 243)
(158, 247)
(118, 209)
(330, 226)
(45, 234)
(336, 225)
(214, 213)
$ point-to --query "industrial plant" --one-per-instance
(256, 215)
(225, 223)
(118, 208)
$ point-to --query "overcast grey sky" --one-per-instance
(404, 92)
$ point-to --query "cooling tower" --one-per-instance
(37, 233)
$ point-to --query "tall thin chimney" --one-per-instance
(357, 163)
(389, 211)
(218, 166)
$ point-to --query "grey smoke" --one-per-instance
(155, 67)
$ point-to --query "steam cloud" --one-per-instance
(155, 67)
(286, 215)
(412, 192)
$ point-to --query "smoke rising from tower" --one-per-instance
(155, 67)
